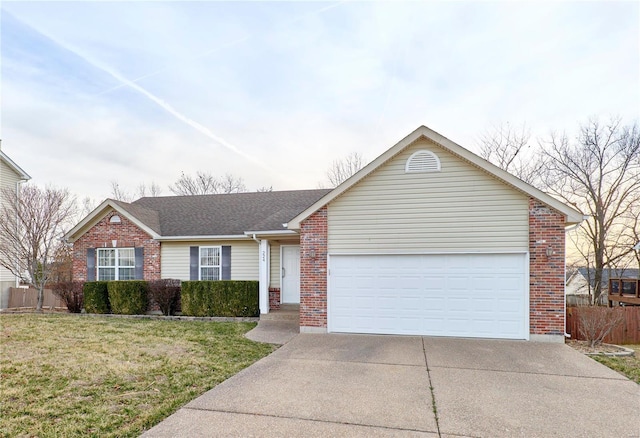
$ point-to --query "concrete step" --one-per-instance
(287, 312)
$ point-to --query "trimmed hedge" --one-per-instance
(96, 297)
(220, 298)
(128, 297)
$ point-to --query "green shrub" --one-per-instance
(96, 297)
(128, 297)
(220, 298)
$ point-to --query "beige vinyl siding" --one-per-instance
(8, 180)
(175, 258)
(461, 208)
(274, 273)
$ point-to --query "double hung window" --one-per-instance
(116, 264)
(210, 262)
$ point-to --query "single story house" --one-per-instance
(582, 280)
(11, 176)
(427, 239)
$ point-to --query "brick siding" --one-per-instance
(313, 270)
(274, 298)
(546, 273)
(127, 235)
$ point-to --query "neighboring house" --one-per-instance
(428, 239)
(582, 280)
(11, 176)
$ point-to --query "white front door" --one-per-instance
(290, 274)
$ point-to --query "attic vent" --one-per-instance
(115, 219)
(422, 161)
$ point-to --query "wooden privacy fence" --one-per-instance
(20, 297)
(626, 333)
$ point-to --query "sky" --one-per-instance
(273, 93)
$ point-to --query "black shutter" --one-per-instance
(226, 263)
(91, 264)
(194, 262)
(139, 272)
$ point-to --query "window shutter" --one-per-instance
(91, 264)
(194, 263)
(226, 263)
(139, 272)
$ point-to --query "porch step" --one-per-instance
(287, 312)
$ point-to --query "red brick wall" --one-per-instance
(313, 270)
(127, 234)
(274, 298)
(546, 273)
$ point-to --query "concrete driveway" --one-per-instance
(360, 385)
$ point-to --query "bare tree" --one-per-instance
(206, 184)
(143, 190)
(87, 206)
(344, 168)
(231, 184)
(599, 174)
(31, 227)
(264, 189)
(151, 190)
(509, 148)
(119, 193)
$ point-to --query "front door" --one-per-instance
(290, 274)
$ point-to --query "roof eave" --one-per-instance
(24, 176)
(76, 232)
(203, 237)
(271, 233)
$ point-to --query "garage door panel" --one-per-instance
(467, 295)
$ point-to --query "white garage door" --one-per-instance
(465, 295)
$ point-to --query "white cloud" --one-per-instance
(156, 88)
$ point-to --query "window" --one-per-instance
(116, 264)
(210, 262)
(422, 161)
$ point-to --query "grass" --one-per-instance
(627, 366)
(68, 375)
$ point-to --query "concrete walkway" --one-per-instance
(359, 385)
(277, 327)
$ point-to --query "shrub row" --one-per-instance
(220, 298)
(196, 298)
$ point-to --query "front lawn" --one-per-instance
(628, 366)
(70, 375)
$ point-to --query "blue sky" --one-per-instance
(274, 92)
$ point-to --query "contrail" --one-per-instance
(222, 47)
(161, 103)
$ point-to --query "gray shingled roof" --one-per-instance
(606, 273)
(221, 215)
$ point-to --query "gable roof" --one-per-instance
(589, 275)
(572, 216)
(24, 176)
(206, 215)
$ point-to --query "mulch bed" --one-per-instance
(583, 347)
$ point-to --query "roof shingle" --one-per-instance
(221, 215)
